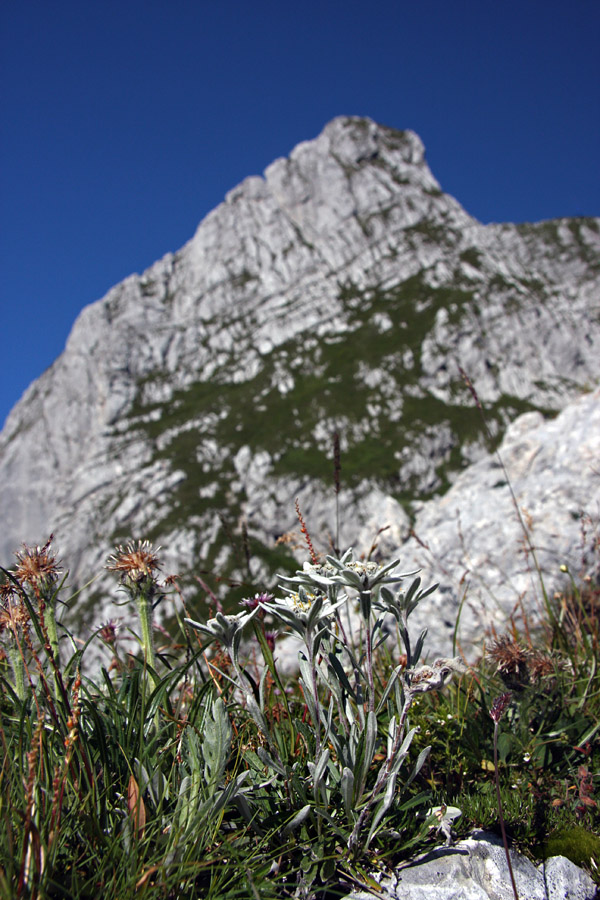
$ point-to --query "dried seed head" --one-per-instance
(510, 658)
(13, 613)
(36, 566)
(541, 665)
(519, 666)
(134, 564)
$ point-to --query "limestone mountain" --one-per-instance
(341, 292)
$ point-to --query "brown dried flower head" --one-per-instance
(135, 564)
(36, 565)
(108, 631)
(510, 658)
(519, 666)
(13, 614)
(541, 665)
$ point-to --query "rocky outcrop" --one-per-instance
(340, 292)
(476, 869)
(510, 526)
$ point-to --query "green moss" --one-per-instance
(148, 287)
(327, 387)
(549, 233)
(578, 844)
(394, 138)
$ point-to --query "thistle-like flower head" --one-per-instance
(259, 599)
(108, 631)
(509, 656)
(36, 566)
(135, 564)
(13, 613)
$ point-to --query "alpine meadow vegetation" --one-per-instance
(199, 765)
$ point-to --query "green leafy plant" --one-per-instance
(344, 790)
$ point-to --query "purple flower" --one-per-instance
(258, 600)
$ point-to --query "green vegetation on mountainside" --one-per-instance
(365, 382)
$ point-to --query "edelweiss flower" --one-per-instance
(324, 569)
(223, 628)
(367, 568)
(434, 677)
(303, 609)
(356, 574)
(299, 603)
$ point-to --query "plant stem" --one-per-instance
(500, 812)
(315, 692)
(16, 661)
(383, 773)
(144, 604)
(51, 626)
(365, 608)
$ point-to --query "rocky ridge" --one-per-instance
(340, 292)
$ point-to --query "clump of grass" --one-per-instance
(548, 750)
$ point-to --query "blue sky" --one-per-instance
(124, 123)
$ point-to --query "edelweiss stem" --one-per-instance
(315, 693)
(370, 670)
(383, 773)
(365, 607)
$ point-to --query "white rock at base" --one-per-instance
(476, 869)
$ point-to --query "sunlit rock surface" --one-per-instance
(476, 869)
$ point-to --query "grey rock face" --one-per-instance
(509, 522)
(476, 869)
(339, 292)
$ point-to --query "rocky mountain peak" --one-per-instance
(340, 292)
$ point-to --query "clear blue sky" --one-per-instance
(123, 123)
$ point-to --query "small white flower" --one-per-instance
(296, 609)
(364, 568)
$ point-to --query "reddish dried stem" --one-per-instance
(313, 556)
